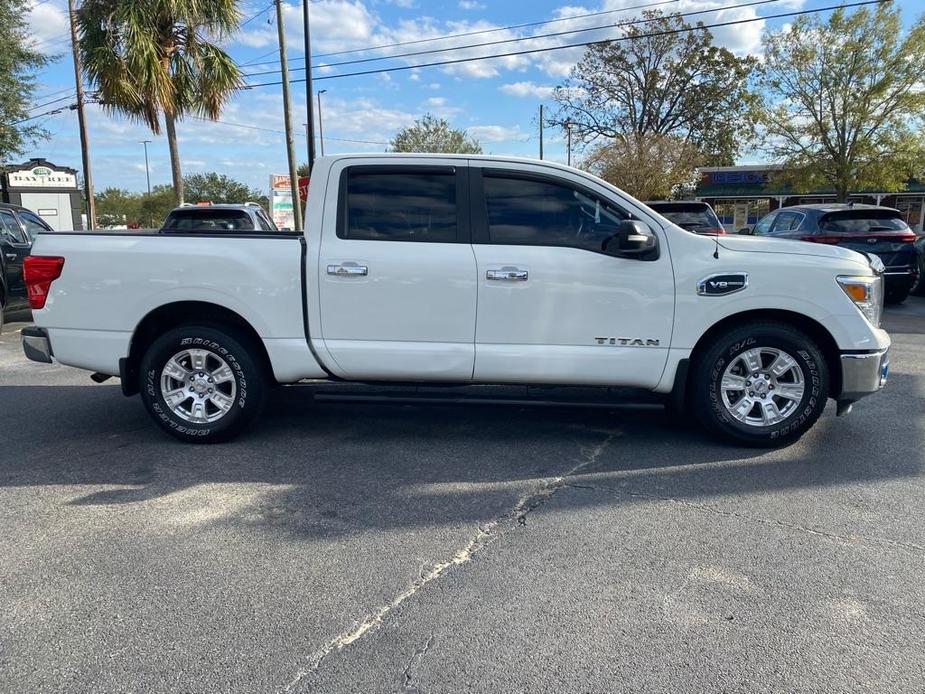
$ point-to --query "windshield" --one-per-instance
(860, 221)
(208, 219)
(693, 217)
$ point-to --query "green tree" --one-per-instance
(666, 79)
(844, 100)
(153, 58)
(116, 207)
(215, 187)
(434, 135)
(647, 166)
(18, 65)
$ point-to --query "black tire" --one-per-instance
(918, 288)
(247, 395)
(896, 296)
(706, 396)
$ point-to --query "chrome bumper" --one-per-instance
(36, 345)
(863, 374)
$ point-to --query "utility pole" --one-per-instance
(287, 118)
(309, 90)
(147, 168)
(81, 121)
(568, 136)
(541, 132)
(321, 122)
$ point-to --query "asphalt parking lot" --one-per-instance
(410, 547)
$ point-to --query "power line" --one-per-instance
(282, 132)
(469, 33)
(53, 101)
(254, 16)
(537, 37)
(579, 45)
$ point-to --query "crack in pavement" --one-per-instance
(486, 535)
(416, 658)
(872, 542)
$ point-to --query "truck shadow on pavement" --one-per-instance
(330, 468)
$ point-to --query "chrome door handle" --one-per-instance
(348, 270)
(11, 256)
(508, 274)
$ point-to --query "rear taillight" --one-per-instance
(823, 239)
(38, 272)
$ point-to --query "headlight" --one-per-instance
(867, 295)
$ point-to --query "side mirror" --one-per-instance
(633, 239)
(745, 231)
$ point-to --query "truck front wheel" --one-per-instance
(202, 384)
(760, 384)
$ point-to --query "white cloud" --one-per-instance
(436, 101)
(496, 133)
(524, 89)
(470, 5)
(48, 27)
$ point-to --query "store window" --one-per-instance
(735, 214)
(911, 211)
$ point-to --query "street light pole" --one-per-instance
(320, 122)
(309, 90)
(147, 168)
(541, 132)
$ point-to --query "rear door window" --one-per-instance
(34, 225)
(787, 221)
(391, 204)
(10, 229)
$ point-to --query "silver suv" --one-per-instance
(222, 218)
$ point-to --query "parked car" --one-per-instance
(446, 269)
(918, 287)
(694, 216)
(866, 228)
(209, 218)
(18, 228)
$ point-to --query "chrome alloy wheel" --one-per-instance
(762, 386)
(198, 386)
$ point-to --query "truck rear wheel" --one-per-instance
(202, 384)
(760, 384)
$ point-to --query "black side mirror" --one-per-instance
(745, 231)
(633, 239)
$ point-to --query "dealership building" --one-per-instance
(741, 195)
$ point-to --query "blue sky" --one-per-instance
(495, 100)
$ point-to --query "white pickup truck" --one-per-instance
(464, 270)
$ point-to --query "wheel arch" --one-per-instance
(818, 332)
(175, 314)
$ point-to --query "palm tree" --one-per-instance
(149, 58)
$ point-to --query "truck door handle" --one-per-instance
(348, 270)
(507, 274)
(11, 256)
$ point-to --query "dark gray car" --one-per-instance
(881, 231)
(18, 229)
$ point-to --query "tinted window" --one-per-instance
(787, 221)
(764, 225)
(208, 219)
(34, 225)
(862, 221)
(10, 229)
(400, 206)
(539, 213)
(264, 222)
(693, 217)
